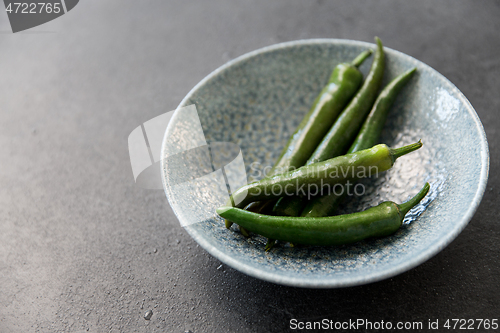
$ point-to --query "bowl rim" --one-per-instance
(342, 281)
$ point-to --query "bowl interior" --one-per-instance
(257, 101)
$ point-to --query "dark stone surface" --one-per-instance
(78, 239)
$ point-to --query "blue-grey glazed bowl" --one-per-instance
(257, 100)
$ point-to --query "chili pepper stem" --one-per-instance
(405, 207)
(361, 58)
(244, 232)
(398, 152)
(270, 244)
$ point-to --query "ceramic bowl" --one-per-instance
(257, 100)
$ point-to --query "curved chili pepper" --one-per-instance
(342, 85)
(378, 221)
(333, 171)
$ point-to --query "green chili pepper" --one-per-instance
(345, 128)
(322, 174)
(382, 220)
(367, 137)
(270, 244)
(342, 85)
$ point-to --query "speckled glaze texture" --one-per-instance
(257, 100)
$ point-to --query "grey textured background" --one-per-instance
(82, 248)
